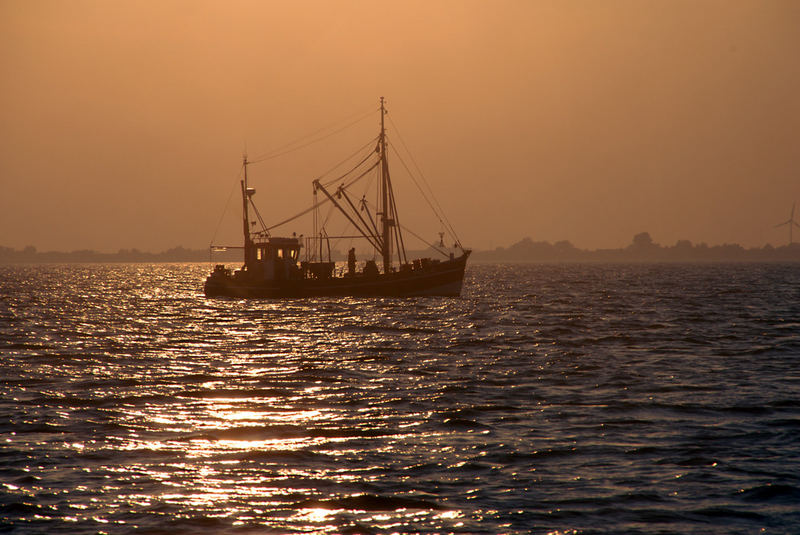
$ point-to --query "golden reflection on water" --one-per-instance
(241, 414)
(316, 515)
(223, 487)
(202, 478)
(230, 414)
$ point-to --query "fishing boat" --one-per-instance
(273, 267)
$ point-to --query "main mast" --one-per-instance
(245, 215)
(387, 220)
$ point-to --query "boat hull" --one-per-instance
(439, 279)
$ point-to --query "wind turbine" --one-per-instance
(791, 222)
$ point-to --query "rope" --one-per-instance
(359, 164)
(423, 193)
(432, 246)
(301, 214)
(420, 238)
(440, 210)
(320, 203)
(280, 150)
(225, 209)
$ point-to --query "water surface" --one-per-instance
(549, 398)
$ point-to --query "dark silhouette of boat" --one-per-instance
(272, 266)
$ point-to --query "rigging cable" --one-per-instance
(401, 246)
(361, 148)
(263, 231)
(280, 150)
(420, 238)
(227, 203)
(320, 203)
(446, 222)
(301, 214)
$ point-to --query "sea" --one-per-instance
(548, 398)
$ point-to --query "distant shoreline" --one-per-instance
(642, 249)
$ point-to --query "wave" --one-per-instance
(369, 502)
(777, 493)
(596, 399)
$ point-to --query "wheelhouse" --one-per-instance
(283, 249)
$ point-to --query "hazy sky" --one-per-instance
(122, 124)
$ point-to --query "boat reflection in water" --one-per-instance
(272, 266)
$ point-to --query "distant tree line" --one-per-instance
(641, 249)
(176, 254)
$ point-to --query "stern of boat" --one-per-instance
(218, 282)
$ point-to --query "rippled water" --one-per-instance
(549, 398)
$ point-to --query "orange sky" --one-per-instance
(122, 123)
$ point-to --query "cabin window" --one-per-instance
(259, 254)
(280, 253)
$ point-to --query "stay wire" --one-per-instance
(448, 225)
(301, 214)
(359, 164)
(424, 196)
(280, 151)
(417, 236)
(225, 209)
(320, 203)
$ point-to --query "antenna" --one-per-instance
(791, 222)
